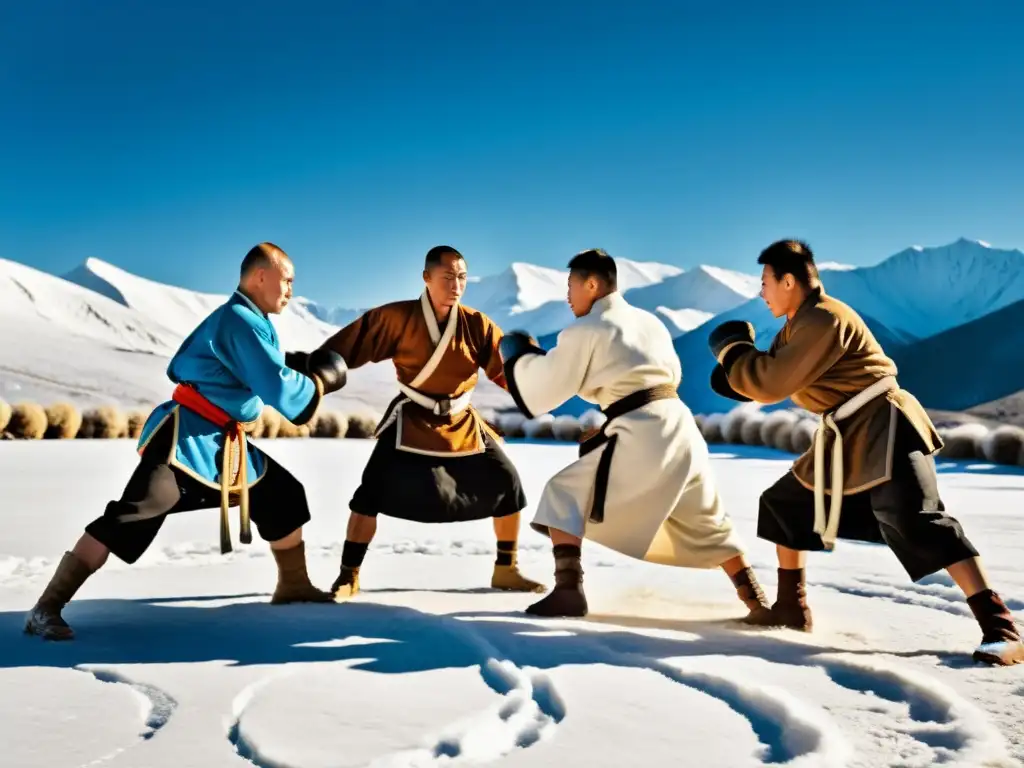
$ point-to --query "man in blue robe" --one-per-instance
(193, 448)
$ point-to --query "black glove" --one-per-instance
(720, 385)
(515, 343)
(328, 366)
(297, 361)
(728, 333)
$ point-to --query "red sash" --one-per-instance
(189, 397)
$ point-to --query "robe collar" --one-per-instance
(612, 300)
(245, 299)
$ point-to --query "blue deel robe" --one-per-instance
(234, 359)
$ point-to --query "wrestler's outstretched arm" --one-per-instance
(541, 381)
(815, 345)
(252, 356)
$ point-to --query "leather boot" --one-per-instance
(750, 593)
(790, 609)
(293, 584)
(567, 598)
(44, 620)
(346, 585)
(506, 571)
(1000, 641)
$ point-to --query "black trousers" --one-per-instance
(437, 489)
(277, 503)
(925, 541)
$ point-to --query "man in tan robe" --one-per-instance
(643, 484)
(435, 459)
(870, 474)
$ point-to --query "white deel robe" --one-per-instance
(662, 504)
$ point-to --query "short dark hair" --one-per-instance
(595, 262)
(791, 257)
(260, 256)
(434, 255)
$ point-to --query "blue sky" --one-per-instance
(168, 137)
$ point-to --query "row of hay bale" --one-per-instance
(63, 421)
(513, 424)
(792, 431)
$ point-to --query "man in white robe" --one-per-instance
(643, 484)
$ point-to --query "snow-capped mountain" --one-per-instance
(337, 316)
(180, 310)
(31, 299)
(920, 291)
(533, 298)
(687, 299)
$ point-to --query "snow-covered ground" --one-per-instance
(180, 661)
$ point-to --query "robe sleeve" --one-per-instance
(251, 354)
(541, 381)
(815, 345)
(490, 354)
(372, 338)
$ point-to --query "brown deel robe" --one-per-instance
(447, 361)
(821, 358)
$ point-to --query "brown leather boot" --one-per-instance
(790, 608)
(567, 598)
(44, 620)
(293, 584)
(750, 593)
(346, 585)
(1000, 641)
(506, 571)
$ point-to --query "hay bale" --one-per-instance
(287, 429)
(362, 425)
(539, 428)
(330, 424)
(137, 418)
(712, 428)
(963, 441)
(733, 421)
(592, 418)
(774, 423)
(28, 422)
(567, 429)
(750, 429)
(512, 423)
(62, 422)
(103, 423)
(5, 415)
(802, 437)
(1003, 445)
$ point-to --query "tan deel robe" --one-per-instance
(662, 504)
(823, 358)
(434, 365)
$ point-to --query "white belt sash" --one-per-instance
(828, 526)
(443, 406)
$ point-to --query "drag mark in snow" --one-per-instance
(958, 732)
(935, 594)
(528, 711)
(156, 705)
(793, 731)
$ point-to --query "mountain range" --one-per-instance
(946, 315)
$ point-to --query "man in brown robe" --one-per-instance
(435, 459)
(870, 474)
